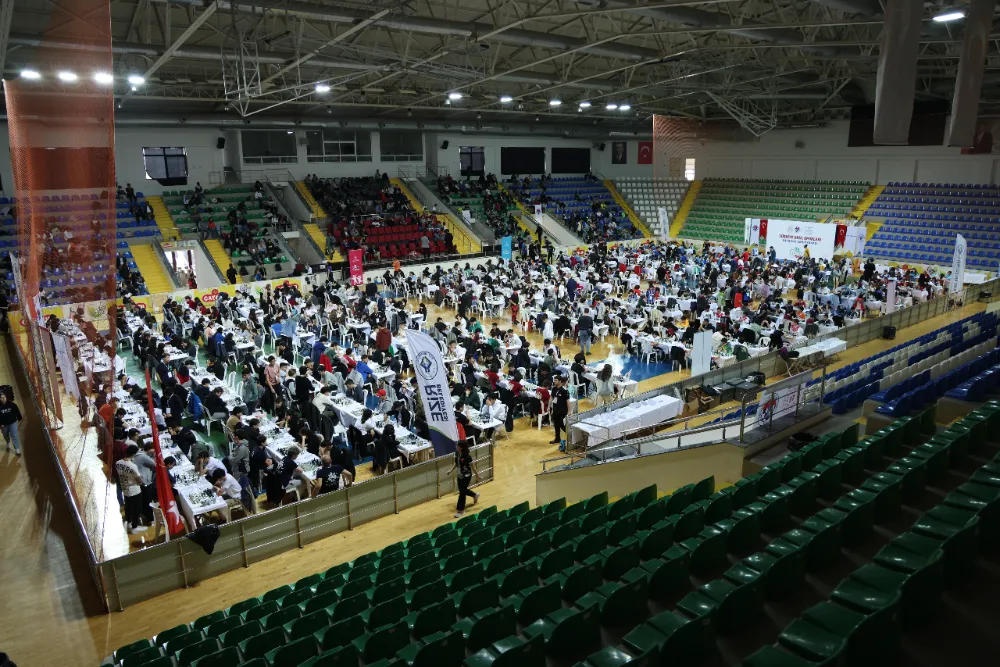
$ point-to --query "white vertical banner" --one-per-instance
(432, 379)
(958, 265)
(467, 215)
(538, 209)
(64, 358)
(664, 219)
(890, 297)
(701, 353)
(751, 231)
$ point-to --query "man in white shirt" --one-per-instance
(323, 401)
(205, 464)
(493, 410)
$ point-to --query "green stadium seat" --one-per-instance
(293, 654)
(576, 580)
(708, 550)
(239, 634)
(227, 657)
(772, 656)
(342, 656)
(443, 649)
(568, 633)
(477, 597)
(219, 627)
(385, 613)
(813, 643)
(677, 639)
(177, 631)
(260, 645)
(308, 625)
(782, 573)
(619, 604)
(192, 652)
(174, 646)
(431, 619)
(487, 626)
(383, 642)
(533, 603)
(511, 651)
(137, 653)
(340, 634)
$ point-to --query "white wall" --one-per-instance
(826, 156)
(204, 159)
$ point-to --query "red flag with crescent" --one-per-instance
(645, 152)
(164, 491)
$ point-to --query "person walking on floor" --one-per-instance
(559, 409)
(586, 327)
(131, 483)
(10, 416)
(466, 469)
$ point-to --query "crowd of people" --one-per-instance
(496, 202)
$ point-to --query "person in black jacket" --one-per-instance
(559, 408)
(215, 406)
(303, 387)
(10, 415)
(183, 437)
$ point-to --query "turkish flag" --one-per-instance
(164, 492)
(645, 152)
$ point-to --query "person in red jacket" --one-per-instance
(383, 339)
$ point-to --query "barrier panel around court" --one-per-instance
(181, 563)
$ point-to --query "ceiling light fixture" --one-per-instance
(136, 80)
(291, 132)
(611, 106)
(625, 107)
(949, 16)
(66, 76)
(30, 74)
(506, 99)
(322, 88)
(555, 103)
(455, 95)
(103, 78)
(585, 104)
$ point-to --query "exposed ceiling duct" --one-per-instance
(436, 26)
(699, 18)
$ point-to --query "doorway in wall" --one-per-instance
(472, 160)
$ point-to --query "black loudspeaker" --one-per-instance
(601, 147)
(444, 144)
(889, 333)
(221, 142)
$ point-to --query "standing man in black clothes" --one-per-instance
(559, 410)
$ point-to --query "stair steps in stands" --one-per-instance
(165, 222)
(317, 210)
(862, 207)
(316, 234)
(682, 213)
(151, 268)
(219, 256)
(628, 209)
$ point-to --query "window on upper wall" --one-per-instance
(168, 166)
(268, 146)
(472, 160)
(401, 146)
(689, 168)
(338, 146)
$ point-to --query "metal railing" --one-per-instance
(211, 260)
(181, 563)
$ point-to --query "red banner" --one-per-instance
(645, 152)
(164, 492)
(840, 238)
(763, 231)
(357, 271)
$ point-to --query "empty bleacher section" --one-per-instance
(722, 205)
(646, 195)
(887, 375)
(575, 202)
(788, 560)
(919, 222)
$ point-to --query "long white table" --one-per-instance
(612, 424)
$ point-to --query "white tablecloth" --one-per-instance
(612, 424)
(828, 347)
